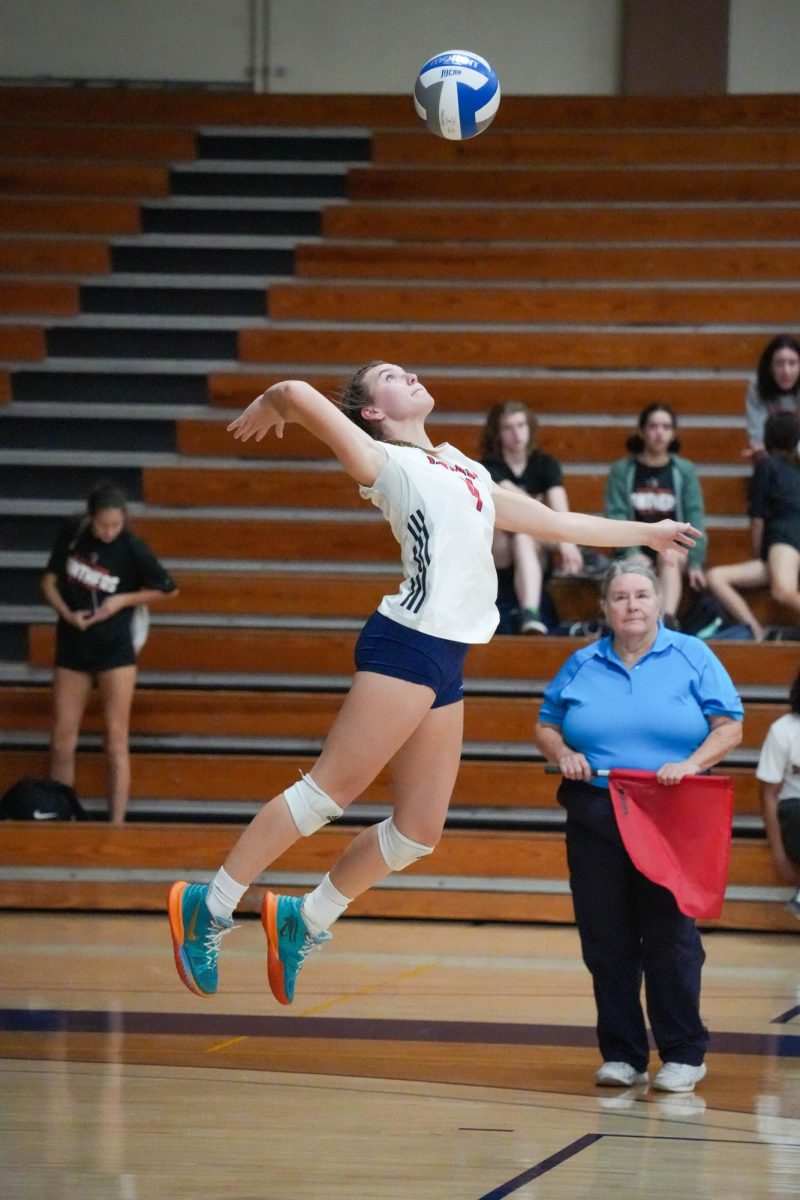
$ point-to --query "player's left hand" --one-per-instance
(676, 536)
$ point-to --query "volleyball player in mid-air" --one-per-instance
(405, 704)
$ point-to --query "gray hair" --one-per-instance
(624, 566)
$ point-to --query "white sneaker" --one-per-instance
(678, 1077)
(619, 1074)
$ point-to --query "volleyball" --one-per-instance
(457, 94)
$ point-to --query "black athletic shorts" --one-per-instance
(83, 650)
(789, 821)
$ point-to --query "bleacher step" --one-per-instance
(506, 875)
(207, 743)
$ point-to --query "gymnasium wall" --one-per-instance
(539, 46)
(545, 46)
(192, 41)
(763, 46)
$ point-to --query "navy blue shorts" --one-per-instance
(388, 648)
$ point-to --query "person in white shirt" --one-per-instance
(404, 707)
(778, 773)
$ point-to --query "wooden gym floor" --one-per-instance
(419, 1060)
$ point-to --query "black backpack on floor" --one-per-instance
(40, 800)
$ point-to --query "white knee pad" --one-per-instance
(398, 850)
(310, 807)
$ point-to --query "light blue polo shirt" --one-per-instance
(639, 719)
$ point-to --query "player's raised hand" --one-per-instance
(258, 418)
(673, 537)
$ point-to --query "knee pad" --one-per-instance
(309, 806)
(398, 850)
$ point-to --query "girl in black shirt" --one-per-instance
(509, 453)
(774, 529)
(97, 574)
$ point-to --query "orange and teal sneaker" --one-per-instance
(288, 943)
(196, 936)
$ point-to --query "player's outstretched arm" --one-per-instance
(517, 513)
(298, 403)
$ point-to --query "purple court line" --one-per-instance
(682, 1137)
(588, 1139)
(205, 1024)
(786, 1017)
(541, 1168)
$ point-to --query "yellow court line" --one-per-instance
(223, 1045)
(365, 991)
(318, 1008)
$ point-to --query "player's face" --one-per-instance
(396, 392)
(514, 433)
(108, 524)
(786, 369)
(658, 432)
(632, 606)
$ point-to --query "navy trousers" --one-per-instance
(631, 929)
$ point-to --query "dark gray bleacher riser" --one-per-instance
(32, 531)
(244, 221)
(74, 482)
(66, 342)
(205, 301)
(259, 183)
(201, 260)
(20, 585)
(62, 433)
(13, 643)
(282, 147)
(86, 387)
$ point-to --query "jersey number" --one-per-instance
(474, 491)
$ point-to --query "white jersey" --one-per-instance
(779, 761)
(439, 505)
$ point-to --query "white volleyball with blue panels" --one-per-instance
(457, 94)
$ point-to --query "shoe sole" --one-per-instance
(619, 1083)
(275, 976)
(175, 913)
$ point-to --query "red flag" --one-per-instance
(678, 835)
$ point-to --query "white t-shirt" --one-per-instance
(779, 761)
(439, 505)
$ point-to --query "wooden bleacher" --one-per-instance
(622, 251)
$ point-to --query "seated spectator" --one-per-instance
(653, 482)
(775, 387)
(510, 454)
(778, 773)
(774, 529)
